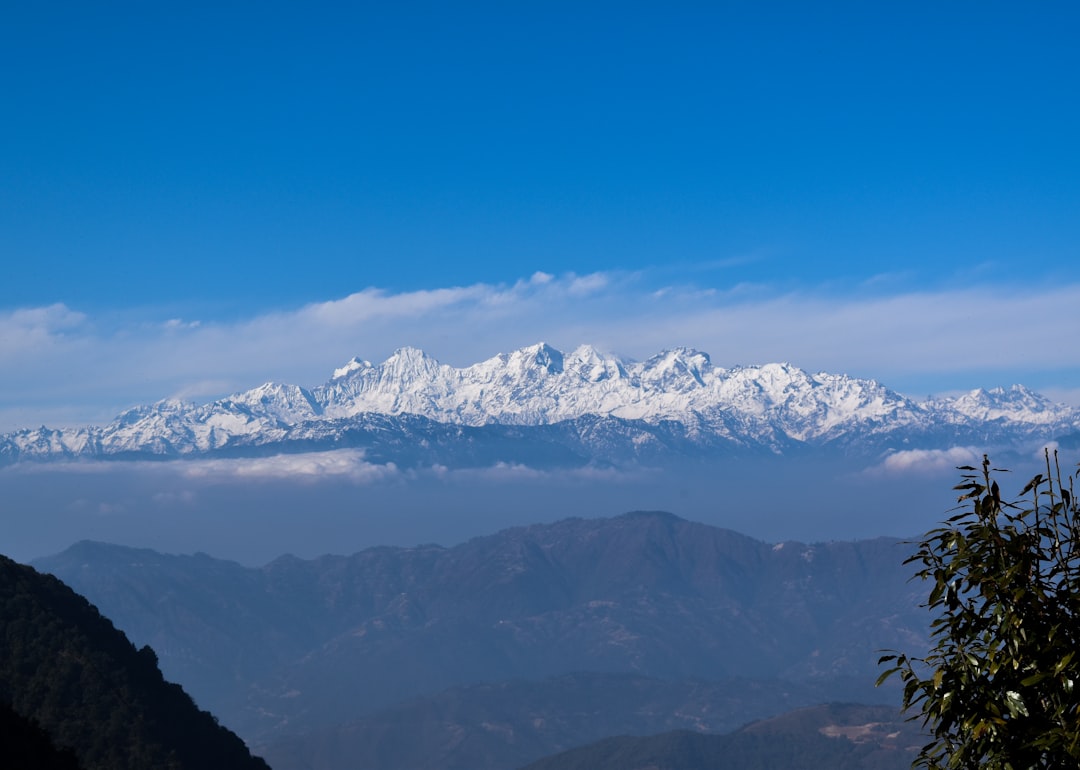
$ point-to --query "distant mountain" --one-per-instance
(540, 406)
(67, 670)
(832, 737)
(298, 645)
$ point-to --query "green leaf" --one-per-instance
(1031, 484)
(1015, 703)
(1061, 665)
(888, 673)
(1004, 602)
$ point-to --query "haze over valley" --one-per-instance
(468, 386)
(412, 451)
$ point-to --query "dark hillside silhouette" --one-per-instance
(68, 669)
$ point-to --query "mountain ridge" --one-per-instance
(647, 593)
(587, 406)
(834, 736)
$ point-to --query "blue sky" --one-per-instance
(196, 198)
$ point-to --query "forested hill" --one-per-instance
(23, 744)
(67, 668)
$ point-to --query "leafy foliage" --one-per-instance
(998, 689)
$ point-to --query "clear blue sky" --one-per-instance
(174, 163)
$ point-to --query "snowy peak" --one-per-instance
(392, 387)
(539, 358)
(408, 364)
(676, 402)
(286, 403)
(1014, 404)
(678, 369)
(353, 365)
(593, 366)
(538, 385)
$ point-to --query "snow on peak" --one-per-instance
(593, 366)
(769, 406)
(287, 404)
(408, 364)
(538, 384)
(1016, 403)
(540, 355)
(353, 365)
(677, 368)
(409, 357)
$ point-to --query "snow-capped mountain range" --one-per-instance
(538, 404)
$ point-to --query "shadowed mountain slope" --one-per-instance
(831, 737)
(68, 669)
(297, 645)
(23, 744)
(504, 725)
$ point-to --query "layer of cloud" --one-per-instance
(62, 366)
(345, 464)
(348, 465)
(509, 473)
(255, 509)
(926, 461)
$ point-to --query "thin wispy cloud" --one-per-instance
(1064, 395)
(310, 466)
(502, 472)
(32, 331)
(62, 365)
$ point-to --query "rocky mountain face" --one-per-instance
(542, 405)
(301, 645)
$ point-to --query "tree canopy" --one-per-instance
(66, 669)
(998, 688)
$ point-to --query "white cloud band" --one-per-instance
(61, 365)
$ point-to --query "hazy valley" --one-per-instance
(580, 629)
(494, 386)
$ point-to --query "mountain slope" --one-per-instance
(502, 725)
(336, 637)
(539, 404)
(23, 744)
(831, 737)
(66, 667)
